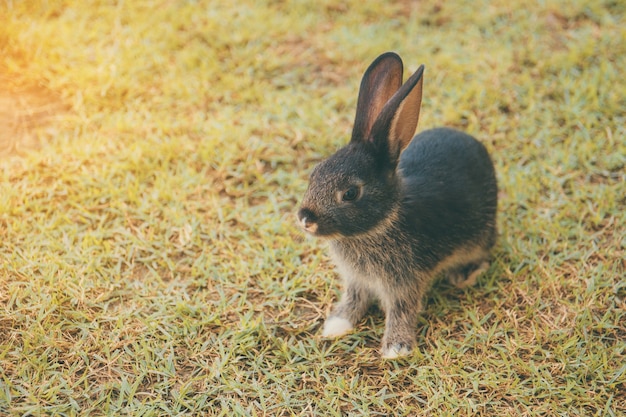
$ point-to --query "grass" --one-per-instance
(153, 154)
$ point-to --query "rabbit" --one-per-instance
(398, 210)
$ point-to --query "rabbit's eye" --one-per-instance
(350, 194)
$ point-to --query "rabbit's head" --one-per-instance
(357, 188)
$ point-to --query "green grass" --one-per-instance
(149, 259)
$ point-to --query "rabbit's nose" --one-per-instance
(308, 220)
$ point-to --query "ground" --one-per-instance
(152, 156)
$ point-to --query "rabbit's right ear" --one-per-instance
(380, 82)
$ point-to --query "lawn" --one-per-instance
(152, 157)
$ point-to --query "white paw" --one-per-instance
(336, 326)
(396, 351)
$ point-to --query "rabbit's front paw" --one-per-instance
(396, 350)
(336, 326)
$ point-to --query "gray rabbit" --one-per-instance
(398, 210)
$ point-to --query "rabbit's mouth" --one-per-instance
(308, 225)
(313, 228)
(309, 222)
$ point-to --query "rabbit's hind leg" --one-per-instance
(466, 275)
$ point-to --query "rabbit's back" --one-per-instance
(450, 189)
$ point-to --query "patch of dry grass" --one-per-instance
(156, 151)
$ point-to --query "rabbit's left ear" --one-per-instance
(380, 82)
(395, 126)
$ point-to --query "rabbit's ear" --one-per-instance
(395, 126)
(380, 82)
